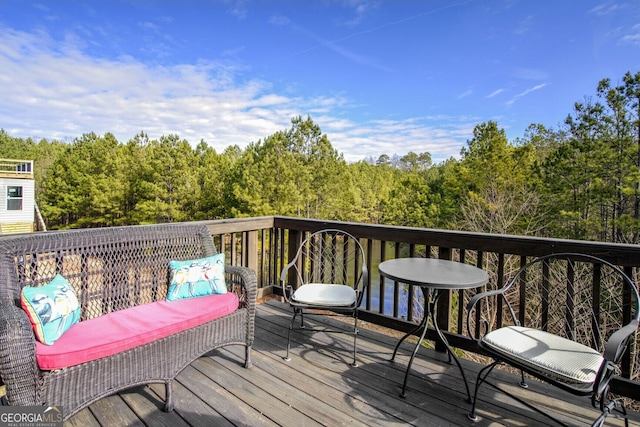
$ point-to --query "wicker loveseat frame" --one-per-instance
(111, 269)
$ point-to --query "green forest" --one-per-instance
(581, 181)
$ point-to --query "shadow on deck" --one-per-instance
(318, 387)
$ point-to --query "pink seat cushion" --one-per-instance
(122, 330)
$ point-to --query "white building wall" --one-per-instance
(28, 201)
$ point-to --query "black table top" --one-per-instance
(433, 273)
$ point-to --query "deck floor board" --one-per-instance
(319, 387)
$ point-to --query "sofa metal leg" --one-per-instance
(168, 401)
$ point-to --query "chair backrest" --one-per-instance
(329, 256)
(580, 297)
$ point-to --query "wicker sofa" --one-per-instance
(113, 272)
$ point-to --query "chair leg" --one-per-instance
(608, 409)
(599, 422)
(168, 399)
(623, 410)
(247, 357)
(287, 358)
(482, 376)
(523, 381)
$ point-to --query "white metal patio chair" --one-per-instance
(567, 321)
(327, 276)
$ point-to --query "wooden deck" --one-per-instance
(318, 387)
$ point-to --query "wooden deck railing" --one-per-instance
(266, 243)
(11, 168)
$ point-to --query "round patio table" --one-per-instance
(434, 277)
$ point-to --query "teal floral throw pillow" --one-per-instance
(52, 308)
(196, 278)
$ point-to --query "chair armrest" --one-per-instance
(613, 351)
(617, 342)
(285, 271)
(243, 282)
(18, 367)
(477, 297)
(287, 289)
(471, 305)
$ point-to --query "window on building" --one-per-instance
(14, 198)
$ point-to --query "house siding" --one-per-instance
(17, 221)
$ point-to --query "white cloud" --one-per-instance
(524, 26)
(525, 93)
(333, 45)
(634, 37)
(53, 90)
(495, 93)
(279, 21)
(361, 8)
(606, 8)
(465, 94)
(530, 74)
(238, 8)
(439, 136)
(59, 93)
(528, 91)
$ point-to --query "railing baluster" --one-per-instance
(383, 256)
(570, 325)
(460, 315)
(545, 295)
(522, 292)
(396, 286)
(596, 290)
(410, 289)
(627, 362)
(500, 302)
(370, 280)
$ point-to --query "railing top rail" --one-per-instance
(17, 167)
(617, 253)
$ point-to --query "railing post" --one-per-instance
(443, 311)
(251, 253)
(294, 241)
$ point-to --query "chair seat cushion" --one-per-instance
(122, 330)
(325, 295)
(555, 356)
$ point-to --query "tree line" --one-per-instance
(581, 181)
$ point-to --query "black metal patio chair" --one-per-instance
(327, 276)
(565, 319)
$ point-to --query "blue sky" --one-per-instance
(378, 77)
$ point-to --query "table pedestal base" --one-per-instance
(430, 298)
